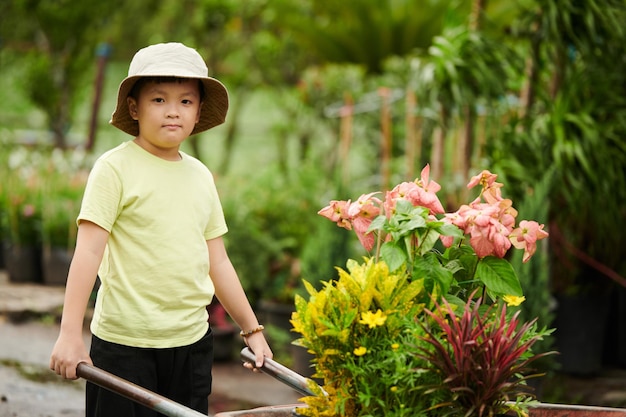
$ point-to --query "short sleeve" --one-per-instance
(102, 197)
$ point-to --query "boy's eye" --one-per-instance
(158, 100)
(186, 101)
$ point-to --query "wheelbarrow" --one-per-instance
(171, 408)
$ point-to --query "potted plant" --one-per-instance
(62, 190)
(21, 220)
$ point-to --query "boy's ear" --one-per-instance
(132, 107)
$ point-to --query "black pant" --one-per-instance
(182, 374)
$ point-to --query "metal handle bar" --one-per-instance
(134, 392)
(280, 372)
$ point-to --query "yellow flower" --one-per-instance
(513, 300)
(393, 389)
(373, 319)
(395, 346)
(360, 351)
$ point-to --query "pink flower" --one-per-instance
(337, 211)
(488, 226)
(28, 210)
(485, 179)
(500, 238)
(507, 213)
(421, 192)
(399, 192)
(526, 237)
(492, 193)
(426, 193)
(481, 243)
(365, 206)
(389, 205)
(491, 189)
(361, 213)
(425, 183)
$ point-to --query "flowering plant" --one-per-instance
(40, 198)
(404, 229)
(385, 333)
(21, 211)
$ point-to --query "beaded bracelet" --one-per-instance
(251, 332)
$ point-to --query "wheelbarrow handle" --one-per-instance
(281, 373)
(134, 392)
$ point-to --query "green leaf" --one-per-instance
(447, 229)
(429, 268)
(393, 256)
(498, 276)
(428, 241)
(377, 224)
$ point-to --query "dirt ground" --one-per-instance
(27, 386)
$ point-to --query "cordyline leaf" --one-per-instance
(479, 353)
(498, 276)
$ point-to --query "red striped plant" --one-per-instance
(482, 356)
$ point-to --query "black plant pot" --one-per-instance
(277, 314)
(580, 324)
(621, 334)
(23, 263)
(302, 361)
(55, 265)
(223, 344)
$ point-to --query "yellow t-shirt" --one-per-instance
(155, 282)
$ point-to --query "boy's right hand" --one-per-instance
(67, 353)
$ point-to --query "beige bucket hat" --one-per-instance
(171, 60)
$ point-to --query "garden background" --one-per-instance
(329, 99)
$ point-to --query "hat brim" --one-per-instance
(212, 113)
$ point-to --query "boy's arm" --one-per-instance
(70, 349)
(229, 291)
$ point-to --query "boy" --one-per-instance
(151, 226)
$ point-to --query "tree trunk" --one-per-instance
(231, 131)
(478, 6)
(436, 165)
(527, 95)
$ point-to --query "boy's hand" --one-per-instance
(257, 343)
(67, 353)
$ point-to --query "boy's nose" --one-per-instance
(172, 111)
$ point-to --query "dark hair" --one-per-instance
(134, 92)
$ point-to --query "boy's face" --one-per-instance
(167, 113)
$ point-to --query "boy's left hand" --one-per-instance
(257, 343)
